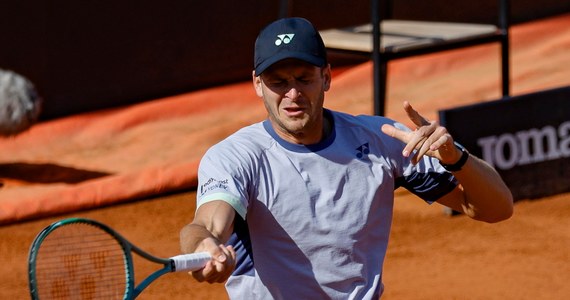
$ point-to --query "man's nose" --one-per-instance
(293, 93)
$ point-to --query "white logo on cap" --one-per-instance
(284, 38)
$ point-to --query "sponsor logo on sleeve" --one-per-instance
(214, 184)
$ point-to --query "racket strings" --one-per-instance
(81, 261)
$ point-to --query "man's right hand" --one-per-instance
(220, 267)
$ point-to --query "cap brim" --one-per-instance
(314, 60)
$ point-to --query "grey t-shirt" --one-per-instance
(314, 221)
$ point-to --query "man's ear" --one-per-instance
(257, 84)
(327, 76)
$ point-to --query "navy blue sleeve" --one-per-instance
(429, 186)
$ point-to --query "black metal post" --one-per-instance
(504, 23)
(377, 66)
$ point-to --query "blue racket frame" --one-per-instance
(131, 291)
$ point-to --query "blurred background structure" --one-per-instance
(90, 55)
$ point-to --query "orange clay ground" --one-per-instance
(112, 158)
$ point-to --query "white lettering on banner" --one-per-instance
(526, 147)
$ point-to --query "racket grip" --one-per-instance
(190, 262)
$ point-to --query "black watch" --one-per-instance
(461, 162)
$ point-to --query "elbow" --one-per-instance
(495, 216)
(505, 206)
(508, 207)
(499, 216)
(498, 213)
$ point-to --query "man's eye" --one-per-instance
(277, 82)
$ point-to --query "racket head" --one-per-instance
(80, 258)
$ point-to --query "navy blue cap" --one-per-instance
(288, 38)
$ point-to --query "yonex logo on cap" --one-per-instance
(284, 39)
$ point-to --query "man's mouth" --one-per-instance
(294, 111)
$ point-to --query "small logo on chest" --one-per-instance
(362, 151)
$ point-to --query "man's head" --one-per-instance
(291, 76)
(288, 38)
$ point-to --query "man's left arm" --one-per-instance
(482, 193)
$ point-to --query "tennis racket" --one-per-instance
(84, 259)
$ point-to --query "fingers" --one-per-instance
(428, 138)
(420, 142)
(394, 132)
(443, 140)
(219, 268)
(414, 116)
(224, 264)
(414, 141)
(425, 140)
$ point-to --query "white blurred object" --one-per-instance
(20, 104)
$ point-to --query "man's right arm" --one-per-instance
(208, 232)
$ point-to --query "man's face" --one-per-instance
(293, 93)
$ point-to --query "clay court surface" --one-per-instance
(430, 255)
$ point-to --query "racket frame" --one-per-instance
(131, 291)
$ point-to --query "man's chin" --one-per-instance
(295, 125)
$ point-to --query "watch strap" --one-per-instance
(461, 162)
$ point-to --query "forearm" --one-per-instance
(213, 222)
(210, 229)
(192, 237)
(485, 195)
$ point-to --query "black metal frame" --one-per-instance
(380, 60)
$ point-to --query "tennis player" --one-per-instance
(299, 206)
